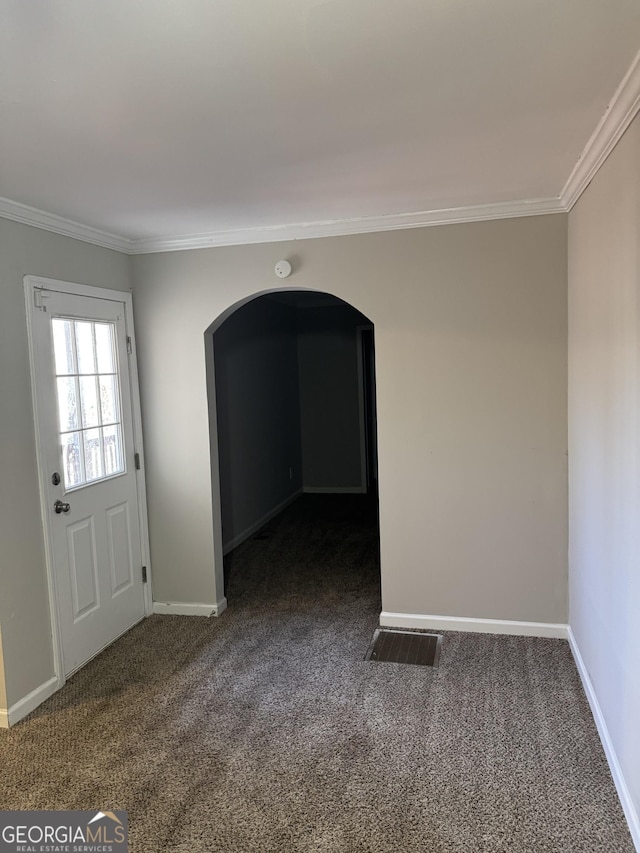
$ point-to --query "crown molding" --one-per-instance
(277, 233)
(621, 111)
(344, 227)
(59, 225)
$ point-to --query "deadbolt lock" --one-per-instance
(55, 479)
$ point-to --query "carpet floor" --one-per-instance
(266, 731)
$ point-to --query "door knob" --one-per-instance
(61, 506)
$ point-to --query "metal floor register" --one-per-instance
(393, 646)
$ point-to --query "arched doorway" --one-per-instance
(291, 385)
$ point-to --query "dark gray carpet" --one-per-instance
(266, 731)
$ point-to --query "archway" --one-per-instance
(291, 388)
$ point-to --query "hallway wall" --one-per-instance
(329, 398)
(258, 415)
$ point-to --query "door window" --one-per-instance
(88, 393)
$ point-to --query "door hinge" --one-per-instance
(136, 457)
(129, 345)
(144, 574)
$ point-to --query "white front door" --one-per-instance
(82, 393)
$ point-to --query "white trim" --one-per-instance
(31, 283)
(334, 490)
(621, 111)
(28, 703)
(630, 811)
(343, 227)
(481, 626)
(184, 608)
(41, 283)
(249, 531)
(277, 233)
(136, 411)
(37, 218)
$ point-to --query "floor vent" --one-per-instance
(392, 646)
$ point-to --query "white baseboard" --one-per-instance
(28, 703)
(253, 528)
(630, 811)
(334, 490)
(186, 608)
(464, 623)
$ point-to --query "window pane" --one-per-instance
(67, 403)
(63, 345)
(71, 459)
(84, 346)
(89, 401)
(113, 462)
(108, 399)
(104, 348)
(93, 454)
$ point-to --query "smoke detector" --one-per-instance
(283, 269)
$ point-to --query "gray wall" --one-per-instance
(24, 603)
(471, 389)
(258, 414)
(329, 397)
(604, 431)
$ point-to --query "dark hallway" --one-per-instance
(294, 422)
(321, 548)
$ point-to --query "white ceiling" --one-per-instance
(154, 118)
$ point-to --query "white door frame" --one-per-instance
(32, 286)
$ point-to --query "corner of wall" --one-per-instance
(624, 794)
